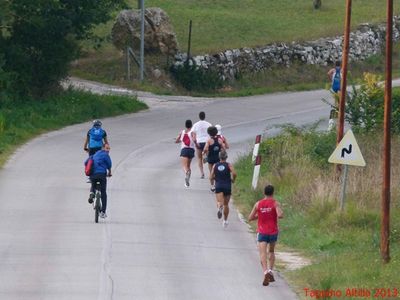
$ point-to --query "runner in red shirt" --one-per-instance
(267, 211)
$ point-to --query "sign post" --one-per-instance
(347, 153)
(256, 147)
(256, 173)
(344, 183)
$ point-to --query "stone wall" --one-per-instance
(367, 40)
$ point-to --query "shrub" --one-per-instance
(365, 106)
(193, 78)
(319, 146)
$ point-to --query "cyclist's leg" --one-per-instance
(103, 189)
(92, 183)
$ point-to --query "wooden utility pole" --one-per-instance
(189, 42)
(141, 39)
(385, 219)
(343, 83)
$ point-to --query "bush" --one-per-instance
(319, 146)
(365, 106)
(295, 143)
(193, 78)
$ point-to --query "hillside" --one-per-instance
(219, 25)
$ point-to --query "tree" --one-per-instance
(5, 17)
(40, 38)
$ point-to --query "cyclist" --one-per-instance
(101, 169)
(96, 137)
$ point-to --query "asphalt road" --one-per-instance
(161, 240)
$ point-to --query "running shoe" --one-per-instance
(202, 176)
(219, 213)
(212, 189)
(266, 280)
(103, 215)
(225, 223)
(91, 197)
(270, 277)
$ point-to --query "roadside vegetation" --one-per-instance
(220, 25)
(342, 245)
(38, 41)
(23, 120)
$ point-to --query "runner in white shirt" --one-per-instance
(200, 129)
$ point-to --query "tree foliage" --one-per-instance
(40, 38)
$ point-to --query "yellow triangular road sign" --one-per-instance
(347, 152)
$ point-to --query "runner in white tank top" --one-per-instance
(187, 139)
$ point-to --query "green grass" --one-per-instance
(219, 25)
(343, 246)
(228, 24)
(23, 120)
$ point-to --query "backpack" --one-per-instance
(336, 80)
(89, 167)
(96, 136)
(186, 139)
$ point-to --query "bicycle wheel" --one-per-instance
(97, 207)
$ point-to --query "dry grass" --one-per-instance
(288, 163)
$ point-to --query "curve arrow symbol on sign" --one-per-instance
(344, 150)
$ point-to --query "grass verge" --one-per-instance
(23, 120)
(344, 246)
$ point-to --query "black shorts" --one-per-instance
(200, 146)
(187, 152)
(225, 191)
(212, 160)
(92, 151)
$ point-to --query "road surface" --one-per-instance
(161, 240)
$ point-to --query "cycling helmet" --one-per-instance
(97, 123)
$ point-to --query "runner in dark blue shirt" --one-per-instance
(224, 175)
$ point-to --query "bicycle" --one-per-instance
(97, 204)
